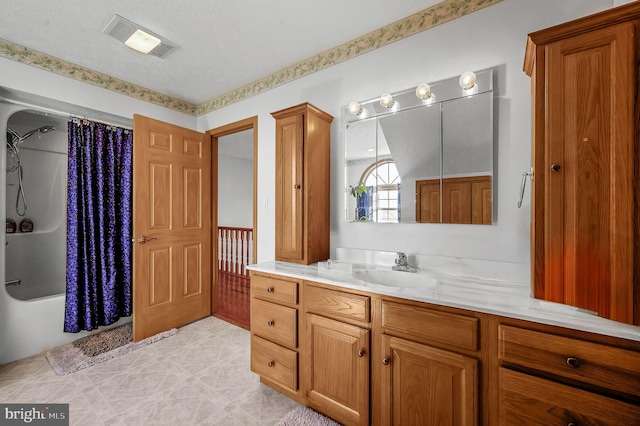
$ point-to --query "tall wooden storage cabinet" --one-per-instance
(302, 184)
(585, 228)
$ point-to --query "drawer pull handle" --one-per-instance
(573, 362)
(385, 361)
(361, 353)
(270, 323)
(270, 290)
(271, 363)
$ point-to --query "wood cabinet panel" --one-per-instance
(428, 386)
(276, 323)
(428, 201)
(337, 304)
(585, 233)
(279, 290)
(529, 400)
(464, 200)
(274, 362)
(338, 369)
(429, 326)
(601, 365)
(302, 184)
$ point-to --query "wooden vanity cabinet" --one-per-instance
(274, 332)
(337, 358)
(429, 366)
(551, 379)
(586, 221)
(302, 184)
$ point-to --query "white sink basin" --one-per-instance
(395, 278)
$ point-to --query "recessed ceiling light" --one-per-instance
(142, 41)
(137, 37)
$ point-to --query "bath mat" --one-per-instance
(303, 416)
(97, 348)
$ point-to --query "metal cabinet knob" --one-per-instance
(555, 168)
(297, 186)
(270, 323)
(361, 353)
(573, 362)
(270, 290)
(385, 361)
(572, 424)
(271, 363)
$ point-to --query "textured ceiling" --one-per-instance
(224, 44)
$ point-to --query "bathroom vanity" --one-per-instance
(367, 345)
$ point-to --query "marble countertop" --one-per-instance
(483, 295)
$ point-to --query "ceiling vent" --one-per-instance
(122, 29)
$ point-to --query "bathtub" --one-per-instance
(34, 264)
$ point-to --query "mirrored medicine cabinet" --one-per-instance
(423, 155)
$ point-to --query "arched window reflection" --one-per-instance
(381, 203)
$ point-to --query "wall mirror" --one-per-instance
(423, 155)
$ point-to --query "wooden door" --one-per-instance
(482, 202)
(588, 172)
(338, 364)
(171, 209)
(289, 196)
(427, 386)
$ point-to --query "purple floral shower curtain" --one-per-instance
(99, 221)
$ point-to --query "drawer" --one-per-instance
(427, 325)
(275, 322)
(274, 289)
(337, 304)
(600, 365)
(274, 362)
(530, 400)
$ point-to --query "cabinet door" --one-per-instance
(338, 364)
(427, 386)
(456, 202)
(428, 201)
(586, 169)
(289, 197)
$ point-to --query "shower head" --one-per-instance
(18, 138)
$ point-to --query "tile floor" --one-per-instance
(199, 376)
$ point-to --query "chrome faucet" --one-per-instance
(402, 265)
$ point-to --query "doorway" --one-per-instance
(234, 219)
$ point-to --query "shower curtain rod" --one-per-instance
(80, 117)
(65, 113)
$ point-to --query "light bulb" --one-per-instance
(423, 91)
(355, 108)
(386, 100)
(467, 80)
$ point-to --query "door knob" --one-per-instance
(143, 240)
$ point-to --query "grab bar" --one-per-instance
(13, 282)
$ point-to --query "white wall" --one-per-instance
(492, 37)
(235, 192)
(81, 96)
